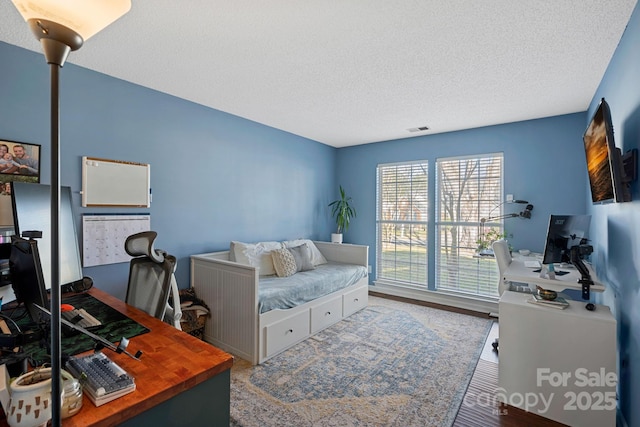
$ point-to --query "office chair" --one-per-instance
(152, 279)
(503, 259)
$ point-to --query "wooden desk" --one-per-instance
(180, 380)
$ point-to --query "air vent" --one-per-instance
(418, 129)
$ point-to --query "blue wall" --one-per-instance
(616, 227)
(215, 177)
(544, 163)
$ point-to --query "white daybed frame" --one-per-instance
(230, 290)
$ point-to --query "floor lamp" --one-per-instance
(62, 26)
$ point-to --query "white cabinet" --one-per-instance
(560, 364)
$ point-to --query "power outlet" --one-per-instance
(509, 198)
(369, 268)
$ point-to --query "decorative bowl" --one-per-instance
(547, 294)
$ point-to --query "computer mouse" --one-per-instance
(66, 307)
(590, 306)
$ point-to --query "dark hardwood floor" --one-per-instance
(483, 411)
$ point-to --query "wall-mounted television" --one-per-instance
(607, 177)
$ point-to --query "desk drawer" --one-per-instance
(355, 300)
(286, 332)
(326, 314)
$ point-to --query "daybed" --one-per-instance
(246, 322)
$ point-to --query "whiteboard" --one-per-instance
(115, 183)
(103, 237)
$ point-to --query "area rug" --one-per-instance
(391, 364)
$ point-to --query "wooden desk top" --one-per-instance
(172, 362)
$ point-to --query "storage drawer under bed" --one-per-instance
(326, 314)
(284, 333)
(354, 301)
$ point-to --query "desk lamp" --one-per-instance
(62, 26)
(525, 213)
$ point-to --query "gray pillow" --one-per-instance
(302, 255)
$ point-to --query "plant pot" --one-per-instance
(336, 237)
(28, 402)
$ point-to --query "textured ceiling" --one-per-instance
(355, 72)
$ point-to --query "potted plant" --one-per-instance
(342, 211)
(485, 241)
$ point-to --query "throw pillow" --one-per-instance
(283, 262)
(316, 256)
(256, 255)
(302, 255)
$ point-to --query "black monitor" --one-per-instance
(27, 279)
(563, 233)
(32, 211)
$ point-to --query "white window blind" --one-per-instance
(468, 189)
(402, 219)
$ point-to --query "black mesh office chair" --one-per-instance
(152, 279)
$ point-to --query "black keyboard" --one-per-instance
(101, 378)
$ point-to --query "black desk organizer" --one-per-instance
(115, 325)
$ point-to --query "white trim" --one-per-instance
(463, 302)
(471, 156)
(410, 162)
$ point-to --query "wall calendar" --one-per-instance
(103, 237)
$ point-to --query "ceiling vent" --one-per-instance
(418, 129)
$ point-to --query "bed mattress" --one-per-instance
(286, 292)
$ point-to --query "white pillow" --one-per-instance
(316, 256)
(256, 255)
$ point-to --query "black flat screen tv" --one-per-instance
(604, 160)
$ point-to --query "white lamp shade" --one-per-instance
(85, 17)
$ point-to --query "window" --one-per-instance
(468, 189)
(402, 221)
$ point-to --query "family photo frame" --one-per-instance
(19, 161)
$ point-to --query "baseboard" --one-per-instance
(461, 302)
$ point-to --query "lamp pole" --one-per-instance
(57, 42)
(56, 364)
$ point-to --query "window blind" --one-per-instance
(402, 219)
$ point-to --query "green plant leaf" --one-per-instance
(342, 211)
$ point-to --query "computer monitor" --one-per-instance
(564, 232)
(32, 211)
(27, 279)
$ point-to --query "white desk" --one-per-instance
(517, 272)
(560, 364)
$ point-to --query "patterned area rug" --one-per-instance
(391, 364)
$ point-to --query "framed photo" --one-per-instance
(19, 161)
